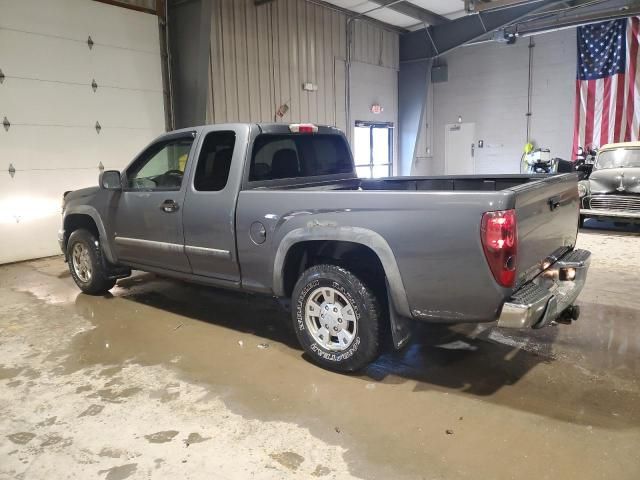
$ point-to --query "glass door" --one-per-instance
(373, 149)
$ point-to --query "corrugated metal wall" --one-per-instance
(376, 46)
(261, 56)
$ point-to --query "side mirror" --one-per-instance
(110, 180)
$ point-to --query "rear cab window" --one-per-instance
(283, 156)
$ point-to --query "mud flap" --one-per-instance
(114, 272)
(401, 327)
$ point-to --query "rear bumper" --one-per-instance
(614, 215)
(544, 299)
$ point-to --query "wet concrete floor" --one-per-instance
(163, 379)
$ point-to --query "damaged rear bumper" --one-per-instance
(544, 299)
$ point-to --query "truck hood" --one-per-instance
(615, 180)
(81, 193)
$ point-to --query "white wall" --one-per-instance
(372, 84)
(47, 96)
(488, 86)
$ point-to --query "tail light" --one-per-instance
(303, 128)
(500, 243)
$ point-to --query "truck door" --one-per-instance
(210, 204)
(147, 214)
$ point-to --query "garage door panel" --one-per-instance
(30, 217)
(59, 60)
(26, 102)
(30, 148)
(16, 241)
(77, 19)
(126, 69)
(39, 57)
(129, 109)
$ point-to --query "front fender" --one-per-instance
(362, 236)
(95, 216)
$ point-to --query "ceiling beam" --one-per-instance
(438, 39)
(573, 13)
(150, 8)
(409, 9)
(485, 5)
(533, 27)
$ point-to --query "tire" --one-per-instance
(332, 292)
(86, 264)
(581, 221)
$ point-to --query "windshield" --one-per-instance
(619, 158)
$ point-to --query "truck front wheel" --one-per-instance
(336, 318)
(85, 263)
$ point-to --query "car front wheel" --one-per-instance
(85, 263)
(336, 318)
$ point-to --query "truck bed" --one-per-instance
(434, 235)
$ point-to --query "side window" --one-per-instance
(274, 158)
(161, 167)
(214, 163)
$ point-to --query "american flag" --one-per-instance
(607, 87)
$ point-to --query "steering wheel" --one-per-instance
(174, 172)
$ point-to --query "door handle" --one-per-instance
(169, 206)
(554, 202)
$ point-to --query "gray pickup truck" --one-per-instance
(278, 209)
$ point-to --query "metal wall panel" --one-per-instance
(261, 56)
(375, 46)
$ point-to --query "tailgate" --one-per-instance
(547, 213)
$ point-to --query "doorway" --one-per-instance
(459, 149)
(373, 149)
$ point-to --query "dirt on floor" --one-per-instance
(163, 379)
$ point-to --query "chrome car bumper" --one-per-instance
(544, 299)
(613, 214)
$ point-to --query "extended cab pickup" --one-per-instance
(278, 209)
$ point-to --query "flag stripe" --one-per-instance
(576, 122)
(606, 105)
(597, 110)
(619, 107)
(631, 74)
(583, 108)
(591, 101)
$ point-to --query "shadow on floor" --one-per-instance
(466, 360)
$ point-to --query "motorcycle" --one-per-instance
(585, 159)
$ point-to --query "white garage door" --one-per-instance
(46, 95)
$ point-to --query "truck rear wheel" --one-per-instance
(336, 318)
(85, 263)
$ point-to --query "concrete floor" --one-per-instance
(168, 380)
